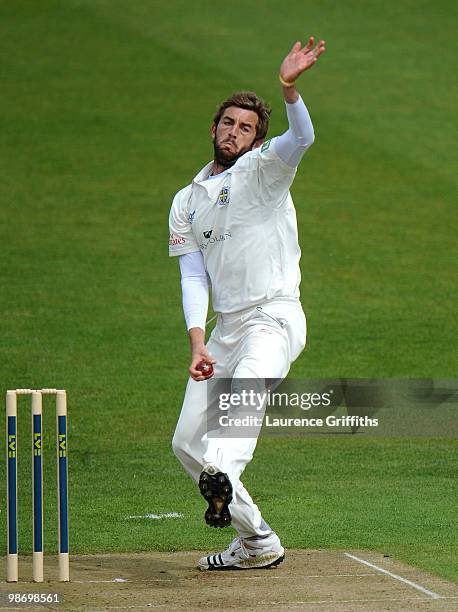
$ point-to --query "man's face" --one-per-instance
(234, 135)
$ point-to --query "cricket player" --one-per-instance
(234, 229)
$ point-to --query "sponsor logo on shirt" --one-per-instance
(174, 240)
(214, 239)
(224, 196)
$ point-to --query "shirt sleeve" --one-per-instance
(292, 145)
(181, 236)
(275, 177)
(194, 286)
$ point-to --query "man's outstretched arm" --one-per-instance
(292, 145)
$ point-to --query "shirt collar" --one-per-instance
(203, 174)
(212, 187)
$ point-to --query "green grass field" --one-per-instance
(105, 111)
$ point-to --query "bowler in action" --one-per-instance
(234, 229)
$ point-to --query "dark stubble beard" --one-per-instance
(225, 158)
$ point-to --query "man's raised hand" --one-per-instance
(300, 59)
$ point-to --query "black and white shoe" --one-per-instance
(217, 490)
(246, 554)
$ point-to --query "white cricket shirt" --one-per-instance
(244, 223)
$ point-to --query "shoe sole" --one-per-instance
(247, 565)
(217, 491)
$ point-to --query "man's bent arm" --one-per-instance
(292, 145)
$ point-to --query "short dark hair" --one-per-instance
(249, 101)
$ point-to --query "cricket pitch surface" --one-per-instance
(322, 580)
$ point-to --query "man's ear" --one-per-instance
(213, 131)
(257, 143)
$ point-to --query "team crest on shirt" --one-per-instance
(224, 196)
(191, 216)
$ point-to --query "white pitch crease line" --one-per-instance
(396, 577)
(158, 516)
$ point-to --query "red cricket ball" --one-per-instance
(206, 368)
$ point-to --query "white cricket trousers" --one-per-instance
(257, 343)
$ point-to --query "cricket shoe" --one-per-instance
(217, 490)
(246, 554)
